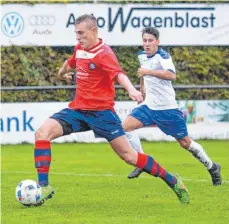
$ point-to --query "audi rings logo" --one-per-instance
(12, 24)
(42, 20)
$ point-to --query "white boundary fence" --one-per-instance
(19, 121)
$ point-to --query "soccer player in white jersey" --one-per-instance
(160, 107)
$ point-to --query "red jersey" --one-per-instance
(96, 70)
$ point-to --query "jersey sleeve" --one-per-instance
(110, 65)
(167, 64)
(72, 60)
(140, 60)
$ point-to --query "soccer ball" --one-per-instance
(28, 192)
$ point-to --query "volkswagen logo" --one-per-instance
(42, 20)
(12, 24)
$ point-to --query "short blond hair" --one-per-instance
(86, 18)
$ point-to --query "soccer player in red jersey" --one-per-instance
(97, 69)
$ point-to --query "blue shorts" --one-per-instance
(171, 121)
(103, 123)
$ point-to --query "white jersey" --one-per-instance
(160, 94)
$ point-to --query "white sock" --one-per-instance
(134, 141)
(199, 153)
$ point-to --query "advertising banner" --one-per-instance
(53, 24)
(205, 120)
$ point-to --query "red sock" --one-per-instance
(150, 166)
(42, 156)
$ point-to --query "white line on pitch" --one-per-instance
(102, 175)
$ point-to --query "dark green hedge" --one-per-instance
(32, 66)
(110, 1)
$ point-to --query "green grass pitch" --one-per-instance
(92, 188)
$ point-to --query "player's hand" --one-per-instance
(68, 77)
(142, 71)
(143, 93)
(136, 95)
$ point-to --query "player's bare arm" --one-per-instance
(126, 84)
(66, 72)
(162, 74)
(142, 87)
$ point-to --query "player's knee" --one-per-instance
(185, 144)
(41, 134)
